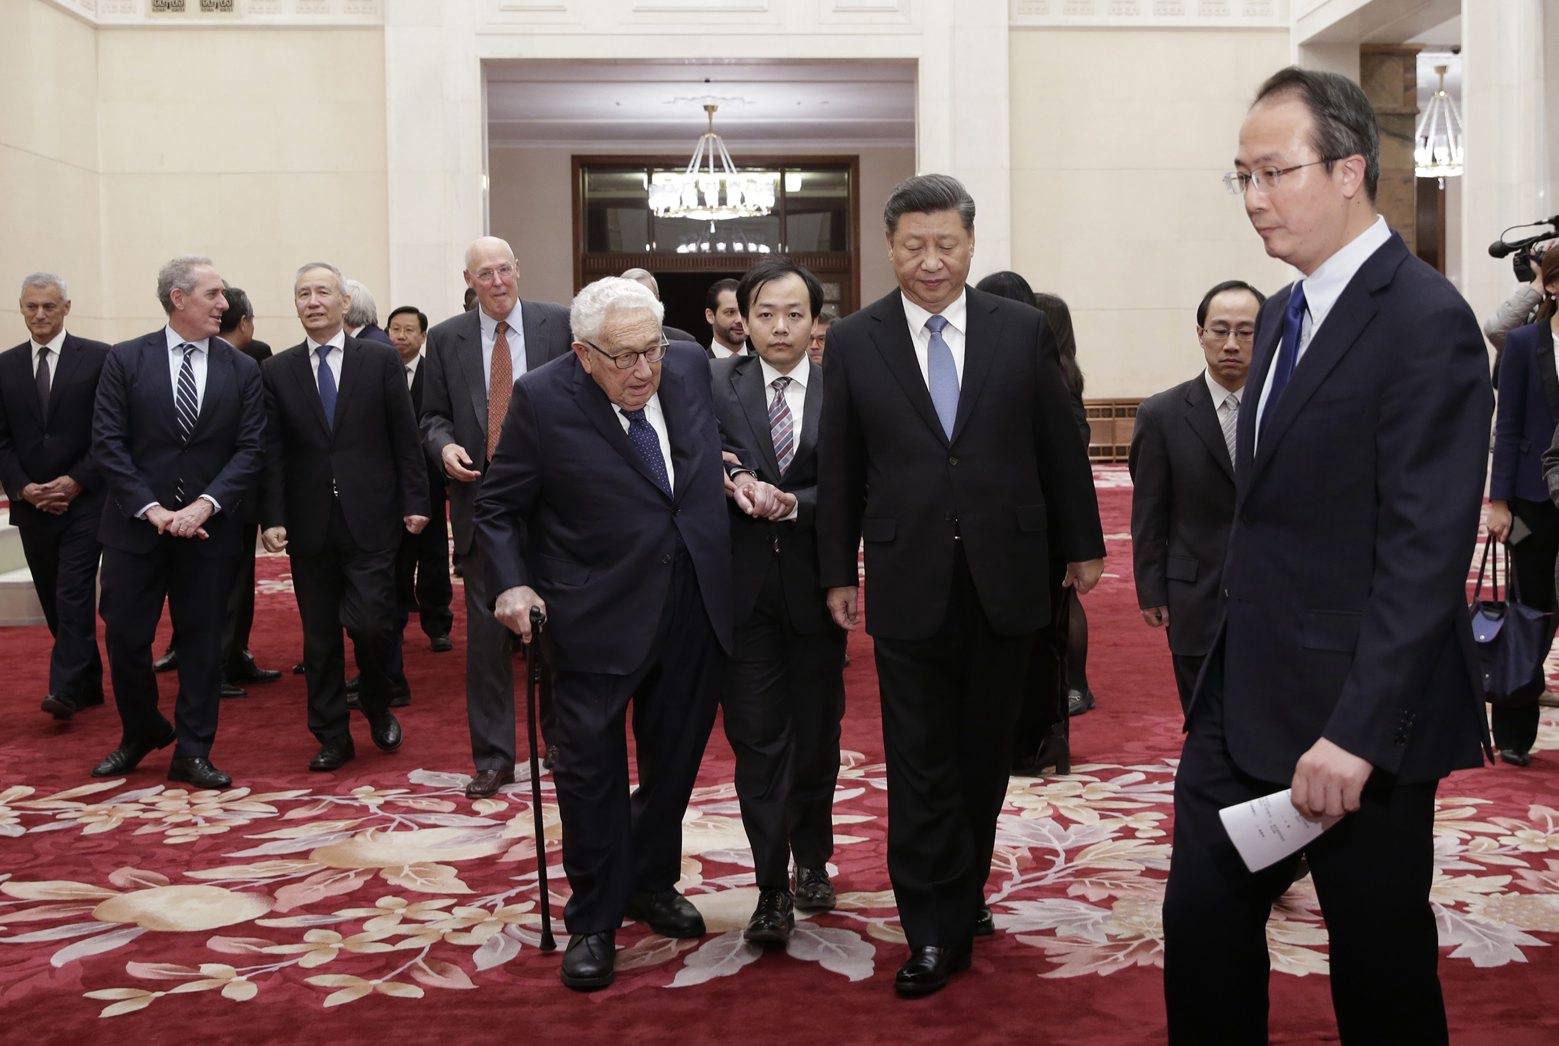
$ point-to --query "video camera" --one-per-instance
(1527, 253)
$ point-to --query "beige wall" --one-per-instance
(1118, 141)
(49, 160)
(530, 205)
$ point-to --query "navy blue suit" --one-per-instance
(142, 456)
(638, 591)
(1345, 618)
(37, 446)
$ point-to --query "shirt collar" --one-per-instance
(55, 344)
(490, 325)
(174, 340)
(651, 408)
(1218, 392)
(956, 313)
(412, 363)
(1325, 285)
(338, 342)
(798, 374)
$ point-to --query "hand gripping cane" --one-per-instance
(533, 670)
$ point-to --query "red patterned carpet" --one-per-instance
(380, 902)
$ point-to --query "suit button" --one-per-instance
(665, 560)
(1225, 593)
(951, 460)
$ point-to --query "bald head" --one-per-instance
(493, 274)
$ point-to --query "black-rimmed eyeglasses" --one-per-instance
(628, 360)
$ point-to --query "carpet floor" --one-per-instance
(378, 902)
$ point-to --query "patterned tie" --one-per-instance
(1288, 352)
(942, 376)
(186, 406)
(43, 379)
(781, 425)
(642, 435)
(327, 388)
(1229, 418)
(410, 377)
(500, 387)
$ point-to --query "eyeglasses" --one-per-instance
(627, 360)
(1219, 334)
(486, 276)
(1265, 179)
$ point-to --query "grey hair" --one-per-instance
(1345, 123)
(645, 277)
(178, 274)
(361, 310)
(45, 279)
(593, 305)
(340, 280)
(928, 194)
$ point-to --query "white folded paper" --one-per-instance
(1268, 829)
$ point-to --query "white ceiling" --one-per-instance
(659, 104)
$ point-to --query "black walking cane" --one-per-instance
(533, 669)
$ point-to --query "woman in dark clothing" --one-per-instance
(1057, 684)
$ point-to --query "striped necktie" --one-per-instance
(782, 427)
(186, 406)
(1229, 418)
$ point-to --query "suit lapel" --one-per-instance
(27, 375)
(811, 411)
(1202, 415)
(354, 376)
(308, 387)
(219, 366)
(1546, 372)
(747, 384)
(980, 342)
(598, 409)
(469, 353)
(416, 386)
(156, 357)
(891, 336)
(536, 328)
(1268, 335)
(70, 359)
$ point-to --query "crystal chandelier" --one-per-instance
(711, 188)
(1437, 144)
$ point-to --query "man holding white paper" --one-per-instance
(1342, 665)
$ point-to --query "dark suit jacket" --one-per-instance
(258, 350)
(436, 492)
(741, 404)
(1013, 481)
(372, 454)
(1182, 503)
(1346, 605)
(35, 448)
(677, 334)
(138, 449)
(600, 535)
(1528, 405)
(454, 407)
(373, 332)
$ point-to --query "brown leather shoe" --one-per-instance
(487, 782)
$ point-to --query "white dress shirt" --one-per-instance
(721, 352)
(1218, 392)
(657, 419)
(332, 358)
(53, 349)
(953, 334)
(1322, 289)
(411, 368)
(514, 337)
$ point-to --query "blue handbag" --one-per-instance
(1509, 636)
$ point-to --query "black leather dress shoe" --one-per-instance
(386, 732)
(198, 771)
(1079, 701)
(129, 755)
(814, 891)
(229, 690)
(60, 706)
(167, 662)
(333, 756)
(246, 671)
(773, 921)
(668, 913)
(1513, 756)
(984, 922)
(297, 669)
(487, 782)
(928, 969)
(588, 961)
(442, 644)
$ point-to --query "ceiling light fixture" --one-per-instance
(711, 188)
(1437, 143)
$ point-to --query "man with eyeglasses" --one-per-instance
(472, 361)
(1342, 666)
(1182, 474)
(604, 507)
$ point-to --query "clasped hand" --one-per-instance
(187, 522)
(53, 497)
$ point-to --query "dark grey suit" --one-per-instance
(454, 410)
(1181, 505)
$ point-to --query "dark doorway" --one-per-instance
(683, 295)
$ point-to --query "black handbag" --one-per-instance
(1509, 636)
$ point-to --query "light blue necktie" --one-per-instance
(942, 376)
(327, 388)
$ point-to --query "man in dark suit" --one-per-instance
(648, 280)
(1343, 664)
(177, 435)
(727, 334)
(47, 388)
(784, 693)
(605, 507)
(464, 402)
(1182, 474)
(362, 315)
(948, 444)
(238, 665)
(344, 476)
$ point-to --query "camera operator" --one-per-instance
(1521, 307)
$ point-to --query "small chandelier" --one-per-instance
(1437, 144)
(711, 188)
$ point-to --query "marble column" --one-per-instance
(1389, 76)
